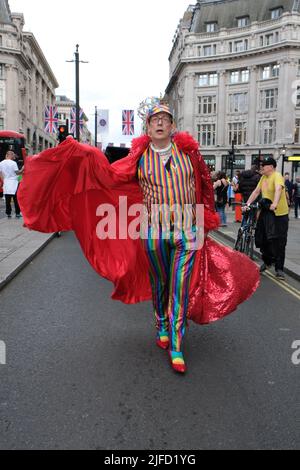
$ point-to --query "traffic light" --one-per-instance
(63, 133)
(231, 156)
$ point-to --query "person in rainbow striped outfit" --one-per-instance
(166, 177)
(164, 169)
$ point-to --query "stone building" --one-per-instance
(64, 108)
(27, 83)
(235, 77)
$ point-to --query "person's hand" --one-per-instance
(245, 209)
(273, 208)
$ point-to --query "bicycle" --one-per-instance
(246, 234)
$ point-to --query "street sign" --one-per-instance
(295, 158)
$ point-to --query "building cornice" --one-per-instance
(256, 28)
(35, 46)
(222, 58)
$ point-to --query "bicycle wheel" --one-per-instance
(240, 241)
(247, 244)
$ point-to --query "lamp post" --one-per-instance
(283, 155)
(77, 88)
(96, 126)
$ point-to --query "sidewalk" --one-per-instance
(18, 246)
(292, 264)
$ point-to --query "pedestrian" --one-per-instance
(164, 169)
(289, 188)
(273, 222)
(9, 172)
(237, 197)
(296, 196)
(248, 182)
(221, 190)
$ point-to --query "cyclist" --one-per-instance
(272, 228)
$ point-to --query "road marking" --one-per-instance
(283, 284)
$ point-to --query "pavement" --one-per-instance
(18, 246)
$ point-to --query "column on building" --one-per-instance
(252, 130)
(12, 97)
(221, 110)
(286, 101)
(189, 103)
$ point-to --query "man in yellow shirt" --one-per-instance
(273, 223)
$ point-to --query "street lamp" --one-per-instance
(283, 155)
(77, 87)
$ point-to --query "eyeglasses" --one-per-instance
(164, 119)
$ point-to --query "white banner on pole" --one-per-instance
(103, 121)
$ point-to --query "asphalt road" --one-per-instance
(83, 372)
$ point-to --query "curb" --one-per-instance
(257, 254)
(25, 263)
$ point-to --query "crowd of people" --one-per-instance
(277, 196)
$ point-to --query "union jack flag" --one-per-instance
(128, 122)
(73, 120)
(51, 119)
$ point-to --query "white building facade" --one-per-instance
(64, 108)
(27, 83)
(235, 77)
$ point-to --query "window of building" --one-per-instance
(238, 103)
(2, 97)
(240, 162)
(243, 21)
(298, 97)
(210, 50)
(2, 70)
(238, 133)
(1, 124)
(210, 161)
(207, 104)
(211, 27)
(208, 79)
(207, 134)
(1, 40)
(269, 39)
(297, 132)
(267, 132)
(276, 13)
(268, 99)
(238, 76)
(235, 77)
(270, 71)
(240, 46)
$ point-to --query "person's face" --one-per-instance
(267, 170)
(10, 155)
(160, 127)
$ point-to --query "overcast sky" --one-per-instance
(126, 42)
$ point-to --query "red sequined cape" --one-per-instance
(62, 189)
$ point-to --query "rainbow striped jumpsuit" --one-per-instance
(171, 262)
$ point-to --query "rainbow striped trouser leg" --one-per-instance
(171, 267)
